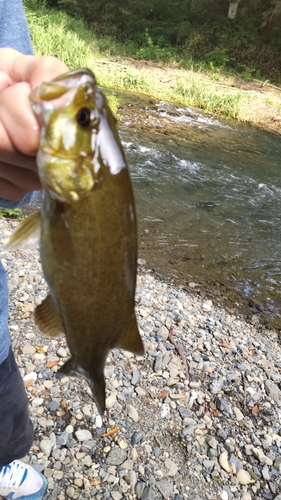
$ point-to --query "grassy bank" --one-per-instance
(55, 33)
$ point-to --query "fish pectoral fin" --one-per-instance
(95, 380)
(131, 340)
(46, 318)
(27, 233)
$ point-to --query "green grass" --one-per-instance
(58, 34)
(10, 213)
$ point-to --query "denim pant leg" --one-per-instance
(16, 430)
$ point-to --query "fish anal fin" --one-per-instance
(27, 233)
(95, 380)
(131, 340)
(46, 318)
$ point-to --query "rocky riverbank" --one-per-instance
(197, 418)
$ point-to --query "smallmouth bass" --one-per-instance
(87, 226)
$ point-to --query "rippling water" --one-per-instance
(209, 192)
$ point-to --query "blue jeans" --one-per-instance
(16, 430)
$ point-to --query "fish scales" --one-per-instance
(88, 234)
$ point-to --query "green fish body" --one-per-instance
(88, 234)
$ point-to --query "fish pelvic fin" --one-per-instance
(95, 380)
(27, 234)
(130, 340)
(46, 318)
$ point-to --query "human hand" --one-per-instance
(19, 129)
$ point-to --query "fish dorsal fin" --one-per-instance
(46, 318)
(27, 233)
(131, 340)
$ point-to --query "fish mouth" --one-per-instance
(48, 91)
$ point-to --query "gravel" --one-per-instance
(212, 431)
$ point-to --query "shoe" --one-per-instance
(20, 481)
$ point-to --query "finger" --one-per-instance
(19, 129)
(5, 81)
(31, 69)
(10, 192)
(15, 181)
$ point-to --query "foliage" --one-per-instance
(55, 33)
(191, 32)
(153, 52)
(10, 213)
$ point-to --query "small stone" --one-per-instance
(272, 391)
(259, 454)
(28, 349)
(132, 413)
(163, 332)
(128, 464)
(116, 495)
(148, 493)
(242, 367)
(265, 472)
(87, 460)
(135, 377)
(222, 405)
(243, 477)
(98, 421)
(70, 491)
(110, 401)
(216, 386)
(165, 487)
(223, 461)
(37, 401)
(235, 463)
(209, 464)
(223, 495)
(136, 438)
(116, 456)
(83, 435)
(239, 415)
(158, 362)
(212, 442)
(139, 489)
(63, 439)
(48, 472)
(61, 352)
(46, 446)
(171, 467)
(247, 496)
(277, 464)
(53, 405)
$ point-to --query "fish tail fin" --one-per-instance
(131, 340)
(98, 391)
(95, 380)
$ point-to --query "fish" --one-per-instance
(86, 228)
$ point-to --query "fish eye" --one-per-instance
(83, 117)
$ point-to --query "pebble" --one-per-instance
(223, 461)
(116, 456)
(46, 446)
(171, 438)
(83, 435)
(243, 477)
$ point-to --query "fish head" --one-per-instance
(69, 110)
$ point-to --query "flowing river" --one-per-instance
(208, 197)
